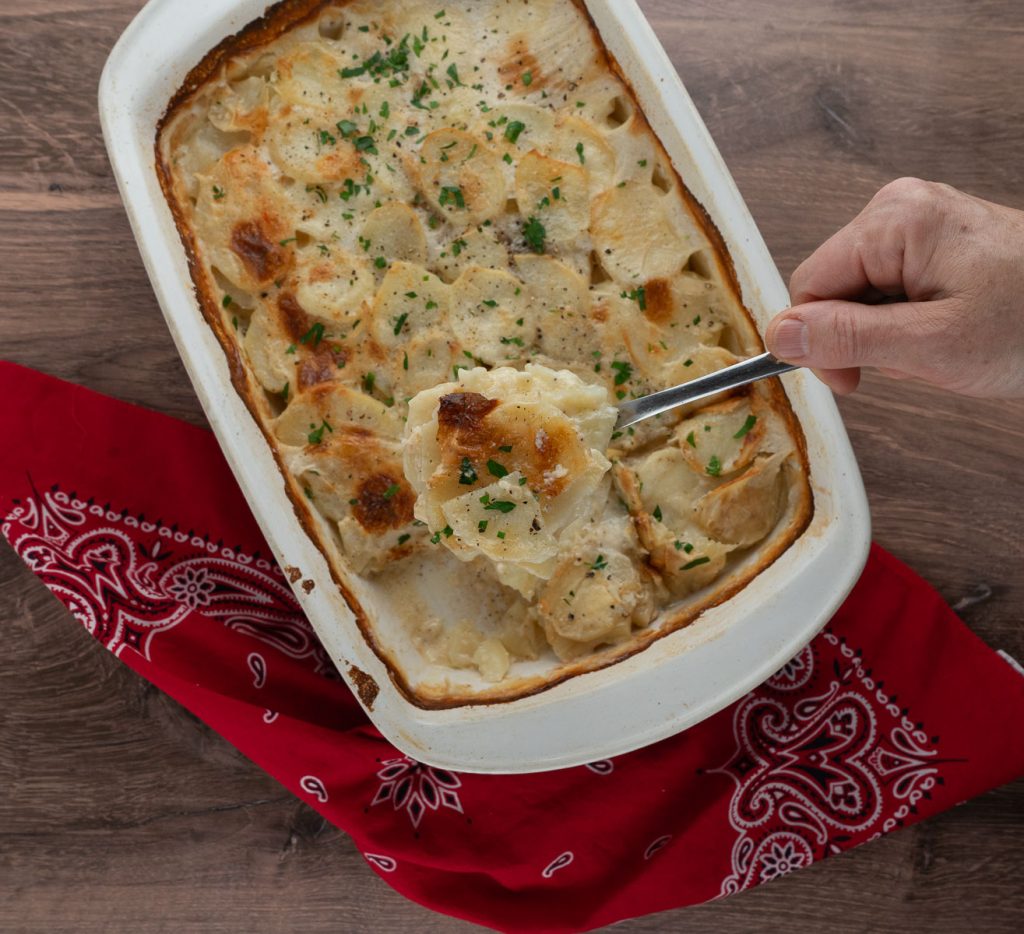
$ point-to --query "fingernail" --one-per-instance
(790, 340)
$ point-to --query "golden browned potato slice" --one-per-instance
(355, 479)
(745, 509)
(242, 218)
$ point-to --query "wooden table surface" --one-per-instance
(119, 811)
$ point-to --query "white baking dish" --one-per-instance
(681, 678)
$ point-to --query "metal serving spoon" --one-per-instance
(739, 374)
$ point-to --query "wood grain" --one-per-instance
(120, 811)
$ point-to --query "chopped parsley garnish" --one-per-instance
(316, 435)
(314, 334)
(696, 562)
(400, 322)
(580, 153)
(507, 158)
(527, 78)
(507, 448)
(380, 262)
(481, 526)
(747, 425)
(346, 128)
(467, 475)
(639, 296)
(691, 440)
(326, 138)
(435, 538)
(496, 470)
(284, 392)
(518, 341)
(453, 73)
(402, 539)
(368, 381)
(623, 371)
(657, 513)
(366, 144)
(218, 192)
(452, 194)
(714, 467)
(499, 505)
(599, 564)
(225, 301)
(391, 491)
(513, 130)
(405, 361)
(501, 535)
(535, 233)
(286, 241)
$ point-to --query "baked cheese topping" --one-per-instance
(449, 223)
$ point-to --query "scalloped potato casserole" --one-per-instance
(438, 243)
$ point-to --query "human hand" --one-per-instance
(925, 283)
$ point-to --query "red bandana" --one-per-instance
(134, 521)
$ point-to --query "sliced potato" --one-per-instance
(307, 76)
(475, 246)
(410, 301)
(720, 439)
(641, 235)
(744, 510)
(332, 283)
(306, 144)
(460, 175)
(579, 142)
(394, 232)
(489, 312)
(341, 407)
(555, 194)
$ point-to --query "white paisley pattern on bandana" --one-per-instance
(127, 579)
(814, 771)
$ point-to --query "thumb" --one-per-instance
(837, 335)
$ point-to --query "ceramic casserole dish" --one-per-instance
(679, 676)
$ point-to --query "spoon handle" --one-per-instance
(739, 374)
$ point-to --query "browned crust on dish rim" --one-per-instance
(275, 21)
